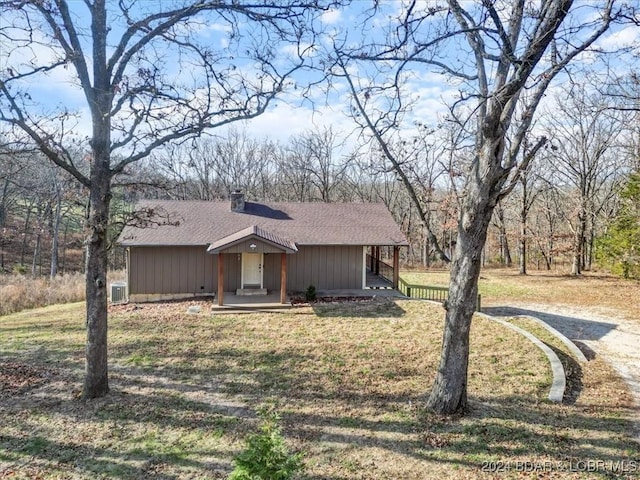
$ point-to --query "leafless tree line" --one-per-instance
(42, 209)
(558, 208)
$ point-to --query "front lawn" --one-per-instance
(347, 379)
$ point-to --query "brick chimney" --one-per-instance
(237, 201)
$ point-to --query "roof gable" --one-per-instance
(253, 232)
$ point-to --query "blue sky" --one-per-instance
(290, 114)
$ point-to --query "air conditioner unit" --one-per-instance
(119, 292)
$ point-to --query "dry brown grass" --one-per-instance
(504, 286)
(22, 292)
(348, 380)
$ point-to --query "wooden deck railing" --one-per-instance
(380, 268)
(426, 292)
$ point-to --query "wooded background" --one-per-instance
(559, 215)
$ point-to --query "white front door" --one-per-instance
(252, 270)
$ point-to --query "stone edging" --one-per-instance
(575, 351)
(556, 393)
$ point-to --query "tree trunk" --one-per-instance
(36, 254)
(64, 247)
(523, 254)
(3, 218)
(449, 392)
(96, 383)
(503, 241)
(523, 238)
(426, 251)
(578, 242)
(55, 233)
(506, 253)
(589, 253)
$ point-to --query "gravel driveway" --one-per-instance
(602, 331)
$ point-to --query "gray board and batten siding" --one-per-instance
(190, 270)
(171, 270)
(326, 268)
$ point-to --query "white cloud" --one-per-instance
(627, 37)
(303, 49)
(283, 120)
(220, 27)
(59, 86)
(331, 17)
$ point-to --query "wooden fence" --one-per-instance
(425, 292)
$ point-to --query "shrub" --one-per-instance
(310, 294)
(20, 269)
(266, 456)
(619, 248)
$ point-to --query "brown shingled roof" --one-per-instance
(203, 223)
(253, 232)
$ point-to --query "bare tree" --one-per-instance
(500, 51)
(10, 168)
(210, 168)
(147, 79)
(313, 165)
(237, 161)
(294, 179)
(382, 129)
(31, 189)
(500, 222)
(61, 198)
(529, 188)
(547, 223)
(584, 160)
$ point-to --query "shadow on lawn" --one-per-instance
(100, 461)
(184, 412)
(145, 427)
(574, 328)
(495, 428)
(511, 431)
(573, 373)
(375, 308)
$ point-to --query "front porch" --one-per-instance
(251, 247)
(381, 275)
(253, 265)
(377, 282)
(234, 303)
(271, 302)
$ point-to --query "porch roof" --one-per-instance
(253, 232)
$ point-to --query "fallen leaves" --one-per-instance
(17, 378)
